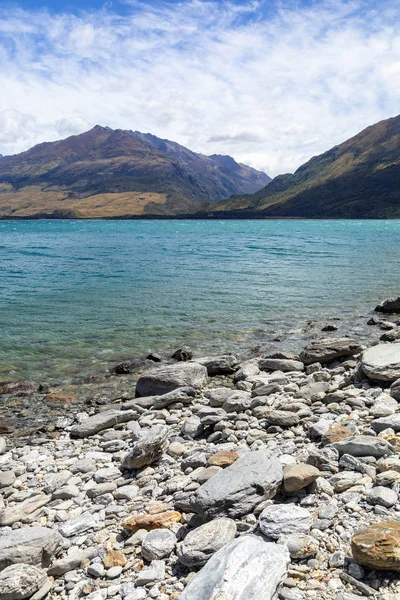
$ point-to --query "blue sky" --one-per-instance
(270, 82)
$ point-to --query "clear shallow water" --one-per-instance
(76, 295)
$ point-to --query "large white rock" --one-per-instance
(164, 379)
(382, 362)
(285, 519)
(31, 545)
(246, 569)
(20, 581)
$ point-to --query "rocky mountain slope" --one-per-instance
(357, 179)
(116, 173)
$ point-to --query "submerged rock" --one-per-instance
(236, 490)
(246, 569)
(166, 378)
(390, 305)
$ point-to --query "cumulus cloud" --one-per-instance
(271, 83)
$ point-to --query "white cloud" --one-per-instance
(270, 88)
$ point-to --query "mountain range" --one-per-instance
(116, 173)
(357, 179)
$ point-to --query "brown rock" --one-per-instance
(336, 433)
(114, 558)
(58, 398)
(297, 477)
(378, 546)
(223, 458)
(17, 388)
(149, 522)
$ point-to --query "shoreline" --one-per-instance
(130, 494)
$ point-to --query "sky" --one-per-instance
(270, 82)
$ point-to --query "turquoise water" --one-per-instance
(77, 295)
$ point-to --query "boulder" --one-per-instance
(389, 422)
(246, 569)
(297, 477)
(29, 545)
(201, 543)
(280, 364)
(164, 379)
(103, 420)
(158, 544)
(382, 362)
(236, 490)
(219, 365)
(21, 581)
(326, 350)
(363, 445)
(389, 306)
(285, 519)
(147, 449)
(378, 546)
(12, 514)
(183, 354)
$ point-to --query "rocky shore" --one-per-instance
(212, 478)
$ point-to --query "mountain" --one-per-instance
(358, 179)
(117, 173)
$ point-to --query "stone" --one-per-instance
(389, 422)
(394, 390)
(382, 496)
(389, 306)
(384, 406)
(363, 445)
(282, 418)
(166, 378)
(155, 572)
(237, 401)
(17, 388)
(280, 364)
(78, 525)
(219, 365)
(183, 354)
(12, 514)
(96, 570)
(114, 558)
(285, 519)
(71, 561)
(100, 421)
(201, 543)
(192, 427)
(378, 546)
(336, 433)
(236, 490)
(184, 395)
(326, 350)
(30, 545)
(126, 492)
(300, 546)
(147, 449)
(223, 458)
(21, 581)
(7, 478)
(155, 521)
(218, 396)
(3, 445)
(297, 477)
(158, 544)
(382, 362)
(246, 569)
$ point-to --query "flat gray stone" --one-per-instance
(29, 545)
(184, 395)
(236, 490)
(363, 445)
(15, 513)
(382, 496)
(78, 525)
(219, 365)
(164, 379)
(71, 561)
(382, 362)
(158, 544)
(280, 364)
(154, 572)
(246, 569)
(285, 519)
(326, 350)
(7, 478)
(148, 448)
(201, 543)
(103, 420)
(389, 422)
(21, 581)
